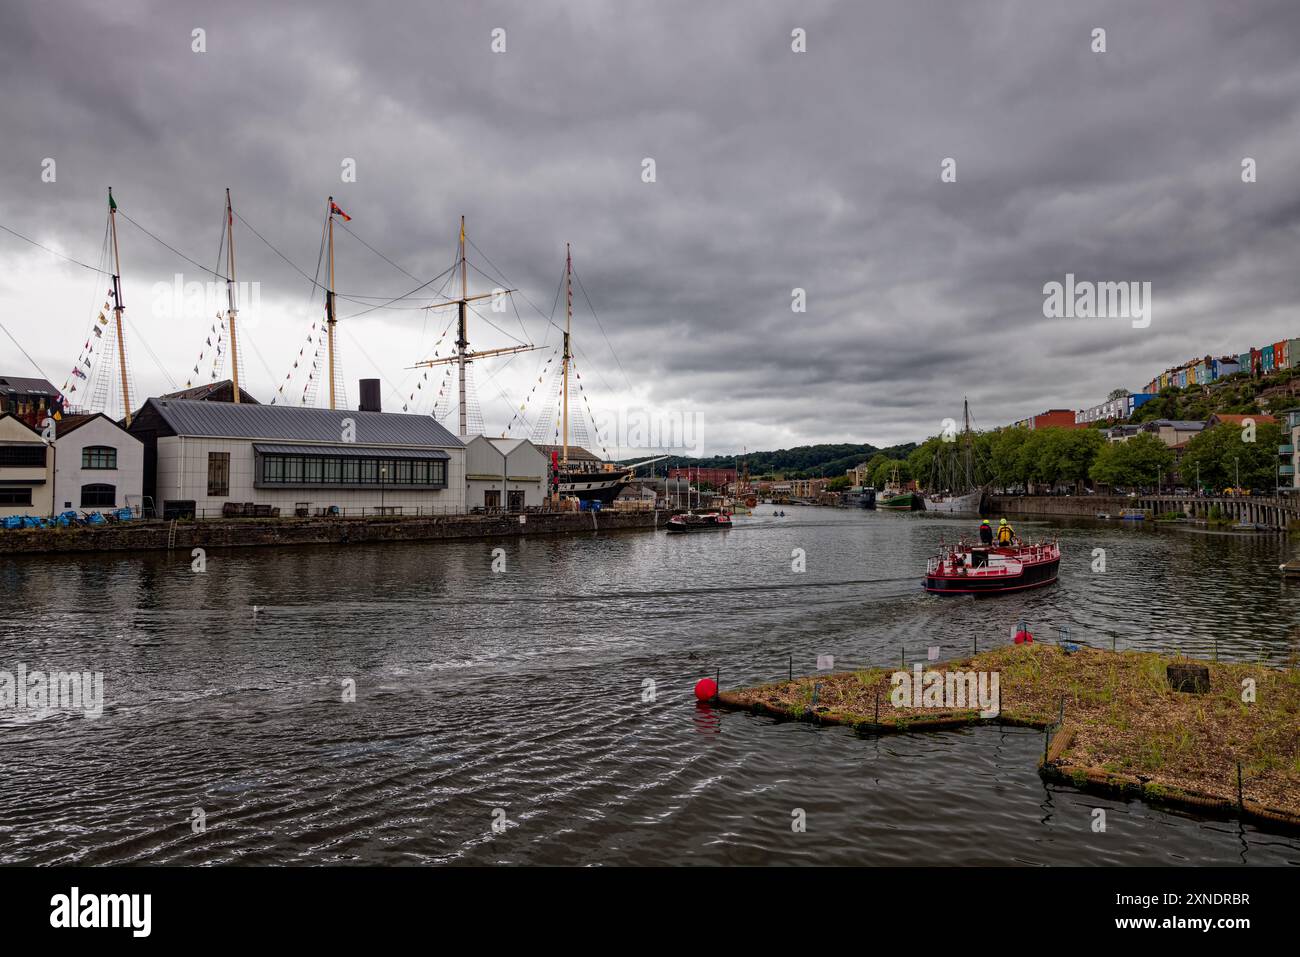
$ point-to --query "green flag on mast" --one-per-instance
(112, 203)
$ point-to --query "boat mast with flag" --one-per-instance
(98, 381)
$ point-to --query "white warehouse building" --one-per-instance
(219, 458)
(500, 472)
(98, 465)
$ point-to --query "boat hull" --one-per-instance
(600, 487)
(678, 525)
(1037, 575)
(905, 502)
(967, 504)
(983, 570)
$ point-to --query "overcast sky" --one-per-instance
(774, 170)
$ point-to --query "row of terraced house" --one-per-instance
(1275, 357)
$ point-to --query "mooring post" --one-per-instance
(902, 657)
(1047, 735)
(792, 667)
(975, 645)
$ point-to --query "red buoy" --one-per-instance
(1024, 638)
(706, 688)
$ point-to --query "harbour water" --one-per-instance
(523, 698)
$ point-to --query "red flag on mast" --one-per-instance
(334, 208)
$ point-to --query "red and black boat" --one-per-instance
(991, 570)
(698, 522)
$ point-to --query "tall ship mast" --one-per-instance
(118, 307)
(96, 379)
(232, 308)
(330, 316)
(464, 355)
(583, 477)
(953, 483)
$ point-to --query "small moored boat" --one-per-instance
(698, 522)
(989, 570)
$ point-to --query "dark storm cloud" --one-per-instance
(775, 170)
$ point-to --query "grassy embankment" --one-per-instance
(1124, 729)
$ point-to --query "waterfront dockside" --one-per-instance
(1112, 722)
(234, 533)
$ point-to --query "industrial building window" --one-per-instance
(218, 473)
(98, 496)
(492, 498)
(22, 456)
(98, 457)
(285, 469)
(15, 496)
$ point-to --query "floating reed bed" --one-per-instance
(1115, 723)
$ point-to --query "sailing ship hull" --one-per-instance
(968, 503)
(600, 487)
(904, 502)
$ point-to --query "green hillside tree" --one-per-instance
(1219, 454)
(1137, 461)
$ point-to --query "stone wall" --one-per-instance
(230, 533)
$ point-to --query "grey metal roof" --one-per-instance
(576, 452)
(228, 420)
(352, 451)
(13, 383)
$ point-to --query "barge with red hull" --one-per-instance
(992, 570)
